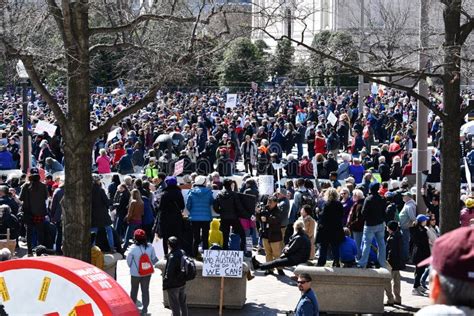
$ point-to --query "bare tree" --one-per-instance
(157, 44)
(394, 65)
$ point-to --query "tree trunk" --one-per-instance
(77, 139)
(77, 200)
(450, 176)
(450, 170)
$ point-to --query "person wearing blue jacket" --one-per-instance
(199, 204)
(308, 303)
(348, 250)
(6, 159)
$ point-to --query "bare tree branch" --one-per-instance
(148, 98)
(152, 17)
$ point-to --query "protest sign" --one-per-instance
(43, 126)
(231, 100)
(113, 134)
(266, 184)
(178, 167)
(223, 263)
(332, 118)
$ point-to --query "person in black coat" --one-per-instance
(121, 201)
(421, 251)
(330, 230)
(295, 252)
(174, 281)
(170, 220)
(374, 225)
(100, 211)
(394, 258)
(229, 206)
(330, 164)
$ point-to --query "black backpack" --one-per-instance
(308, 199)
(188, 268)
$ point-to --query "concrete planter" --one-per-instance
(348, 290)
(204, 292)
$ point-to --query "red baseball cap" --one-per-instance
(139, 234)
(453, 254)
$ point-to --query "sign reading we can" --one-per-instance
(223, 263)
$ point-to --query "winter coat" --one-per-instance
(173, 276)
(348, 250)
(123, 199)
(170, 208)
(355, 221)
(6, 160)
(135, 212)
(384, 171)
(374, 209)
(408, 214)
(103, 164)
(320, 145)
(330, 223)
(271, 229)
(100, 203)
(199, 202)
(228, 205)
(251, 152)
(125, 165)
(298, 249)
(215, 235)
(148, 217)
(34, 195)
(330, 165)
(394, 251)
(421, 245)
(357, 172)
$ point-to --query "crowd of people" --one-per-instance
(346, 195)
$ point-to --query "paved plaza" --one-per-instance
(266, 295)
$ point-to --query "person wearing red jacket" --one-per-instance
(320, 143)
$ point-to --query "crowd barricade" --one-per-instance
(348, 290)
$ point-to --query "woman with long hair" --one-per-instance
(330, 230)
(134, 215)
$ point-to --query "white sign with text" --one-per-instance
(223, 263)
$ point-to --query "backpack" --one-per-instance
(188, 268)
(145, 267)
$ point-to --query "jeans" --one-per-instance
(418, 274)
(405, 244)
(177, 300)
(40, 232)
(200, 233)
(59, 237)
(110, 235)
(144, 283)
(128, 234)
(323, 252)
(119, 226)
(358, 240)
(377, 231)
(300, 150)
(425, 276)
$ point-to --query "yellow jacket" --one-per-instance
(215, 235)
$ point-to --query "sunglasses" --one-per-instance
(301, 282)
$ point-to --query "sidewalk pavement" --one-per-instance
(266, 295)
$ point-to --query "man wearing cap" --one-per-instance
(452, 274)
(407, 220)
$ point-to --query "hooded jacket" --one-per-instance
(215, 235)
(199, 202)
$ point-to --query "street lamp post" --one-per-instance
(23, 75)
